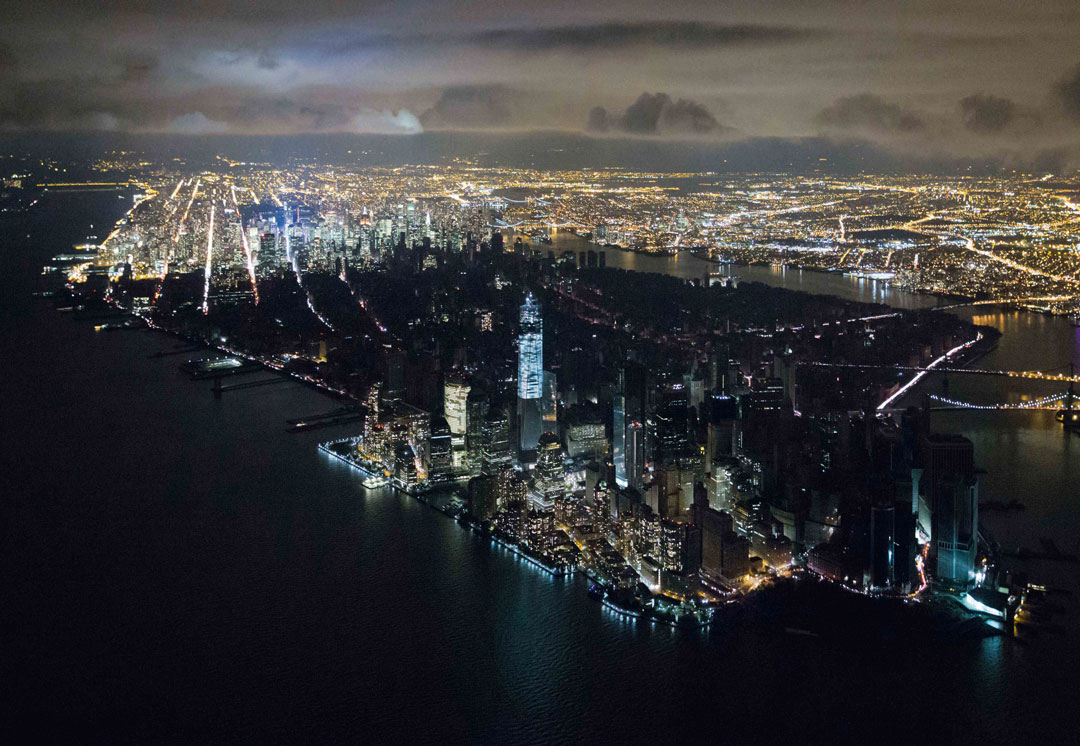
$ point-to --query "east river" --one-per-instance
(181, 569)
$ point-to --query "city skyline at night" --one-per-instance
(574, 373)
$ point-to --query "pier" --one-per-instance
(339, 416)
(250, 384)
(170, 353)
(218, 367)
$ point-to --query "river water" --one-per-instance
(179, 568)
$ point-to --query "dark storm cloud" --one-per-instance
(685, 116)
(1068, 94)
(472, 107)
(598, 120)
(600, 37)
(43, 104)
(869, 113)
(643, 116)
(985, 114)
(605, 36)
(655, 114)
(136, 67)
(7, 59)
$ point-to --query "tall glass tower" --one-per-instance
(531, 351)
(530, 377)
(618, 437)
(455, 399)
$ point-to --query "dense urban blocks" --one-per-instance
(681, 441)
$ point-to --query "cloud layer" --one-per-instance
(668, 34)
(955, 78)
(196, 123)
(983, 114)
(472, 107)
(869, 113)
(1068, 94)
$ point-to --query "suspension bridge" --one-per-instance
(1059, 401)
(1052, 403)
(1034, 375)
(1005, 301)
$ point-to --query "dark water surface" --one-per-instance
(180, 569)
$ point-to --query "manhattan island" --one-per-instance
(680, 442)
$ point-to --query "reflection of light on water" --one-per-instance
(996, 320)
(523, 561)
(992, 659)
(622, 619)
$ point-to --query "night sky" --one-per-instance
(958, 78)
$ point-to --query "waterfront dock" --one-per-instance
(217, 367)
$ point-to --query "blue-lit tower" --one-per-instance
(618, 439)
(530, 378)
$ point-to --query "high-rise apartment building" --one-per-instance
(455, 409)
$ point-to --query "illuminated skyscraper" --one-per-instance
(442, 458)
(475, 409)
(618, 436)
(531, 351)
(495, 445)
(550, 473)
(530, 377)
(601, 508)
(405, 473)
(371, 420)
(513, 500)
(455, 403)
(418, 424)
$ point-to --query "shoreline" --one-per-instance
(687, 621)
(683, 621)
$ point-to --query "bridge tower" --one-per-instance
(1071, 394)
